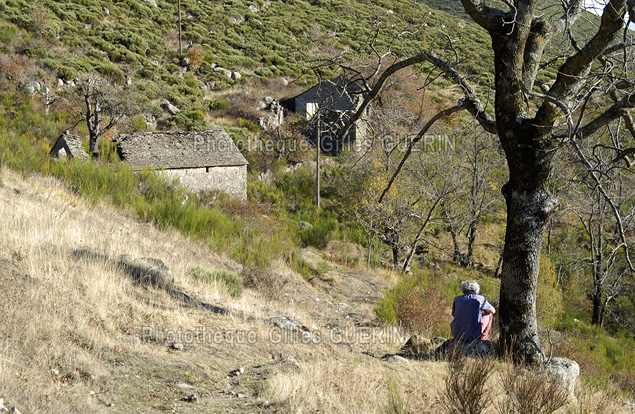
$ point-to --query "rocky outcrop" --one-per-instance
(172, 110)
(290, 326)
(148, 271)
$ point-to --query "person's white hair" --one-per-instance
(470, 286)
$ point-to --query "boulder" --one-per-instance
(419, 345)
(236, 75)
(564, 372)
(32, 87)
(224, 71)
(291, 325)
(172, 110)
(151, 2)
(149, 271)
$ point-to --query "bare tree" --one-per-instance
(472, 167)
(105, 106)
(603, 194)
(533, 119)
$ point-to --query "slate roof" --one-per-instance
(177, 149)
(72, 145)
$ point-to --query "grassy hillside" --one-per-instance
(78, 334)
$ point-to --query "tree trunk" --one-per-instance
(527, 213)
(598, 308)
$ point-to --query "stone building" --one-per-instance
(68, 145)
(336, 100)
(201, 160)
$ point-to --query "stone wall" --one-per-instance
(230, 180)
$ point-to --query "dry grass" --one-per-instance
(357, 386)
(77, 335)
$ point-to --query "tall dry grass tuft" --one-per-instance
(466, 389)
(528, 392)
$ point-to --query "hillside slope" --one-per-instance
(78, 334)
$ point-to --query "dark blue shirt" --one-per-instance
(466, 310)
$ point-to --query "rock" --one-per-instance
(2, 407)
(151, 2)
(236, 76)
(419, 345)
(177, 346)
(32, 87)
(128, 80)
(253, 8)
(14, 410)
(60, 83)
(394, 358)
(289, 324)
(287, 362)
(185, 62)
(474, 349)
(224, 71)
(172, 110)
(150, 120)
(238, 371)
(54, 372)
(106, 11)
(190, 398)
(149, 271)
(564, 372)
(263, 175)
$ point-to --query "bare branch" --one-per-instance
(471, 101)
(420, 135)
(486, 17)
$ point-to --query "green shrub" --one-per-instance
(8, 32)
(228, 279)
(318, 233)
(219, 104)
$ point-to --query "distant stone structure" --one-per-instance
(201, 160)
(336, 100)
(68, 145)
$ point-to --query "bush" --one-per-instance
(418, 305)
(228, 279)
(421, 311)
(219, 104)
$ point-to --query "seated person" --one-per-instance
(472, 313)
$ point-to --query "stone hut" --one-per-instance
(336, 100)
(201, 160)
(68, 145)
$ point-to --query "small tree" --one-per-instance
(104, 106)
